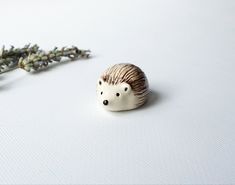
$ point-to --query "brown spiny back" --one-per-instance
(130, 74)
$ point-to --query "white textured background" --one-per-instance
(52, 131)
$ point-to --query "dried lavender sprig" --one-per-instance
(41, 60)
(9, 58)
(18, 52)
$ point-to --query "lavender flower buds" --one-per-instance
(37, 61)
(9, 58)
(30, 58)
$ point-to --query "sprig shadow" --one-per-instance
(55, 65)
(11, 83)
(52, 66)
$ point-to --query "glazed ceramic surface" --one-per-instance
(122, 87)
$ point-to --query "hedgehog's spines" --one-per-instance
(130, 74)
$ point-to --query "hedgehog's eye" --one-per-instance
(126, 89)
(117, 94)
(100, 82)
(101, 92)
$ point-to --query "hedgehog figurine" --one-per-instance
(122, 87)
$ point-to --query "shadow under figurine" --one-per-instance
(122, 87)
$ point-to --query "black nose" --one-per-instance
(105, 102)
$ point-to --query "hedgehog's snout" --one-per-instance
(105, 102)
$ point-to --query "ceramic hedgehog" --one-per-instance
(122, 87)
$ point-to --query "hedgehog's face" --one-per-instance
(116, 97)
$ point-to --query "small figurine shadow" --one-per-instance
(153, 99)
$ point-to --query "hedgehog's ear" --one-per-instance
(126, 87)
